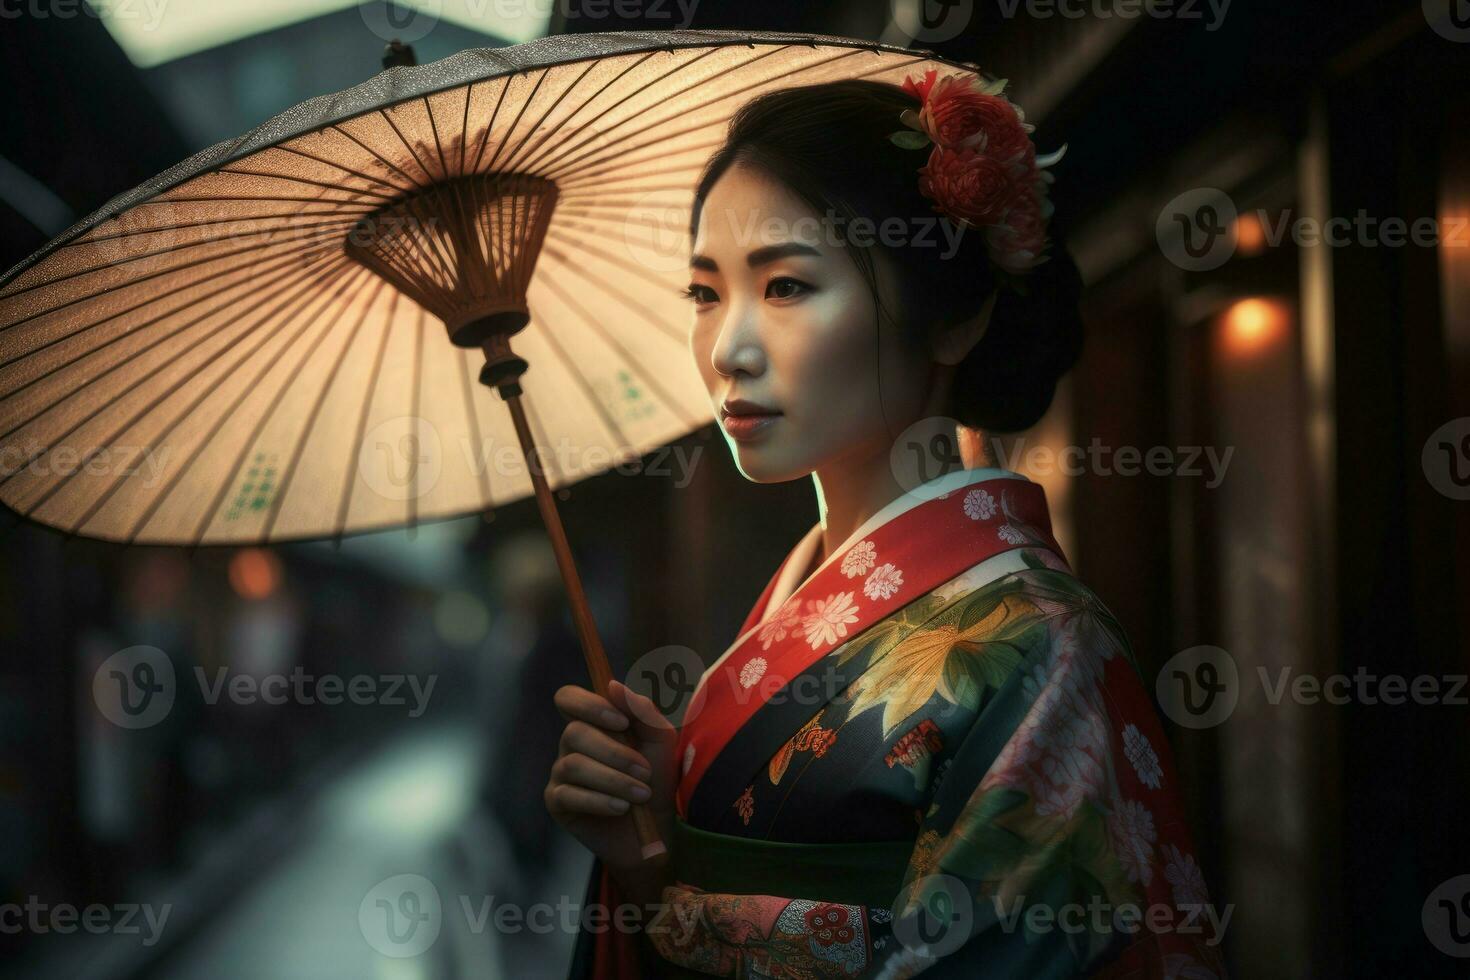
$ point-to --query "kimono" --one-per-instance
(933, 754)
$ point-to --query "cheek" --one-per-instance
(701, 346)
(825, 359)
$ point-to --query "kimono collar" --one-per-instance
(789, 578)
(931, 534)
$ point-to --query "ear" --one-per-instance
(951, 344)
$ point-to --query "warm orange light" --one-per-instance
(1250, 234)
(1254, 323)
(254, 573)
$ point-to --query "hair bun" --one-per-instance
(1008, 380)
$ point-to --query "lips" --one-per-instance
(734, 407)
(746, 420)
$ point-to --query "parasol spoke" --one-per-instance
(676, 98)
(306, 181)
(223, 417)
(595, 324)
(565, 146)
(345, 496)
(395, 189)
(310, 422)
(550, 168)
(417, 184)
(305, 294)
(287, 262)
(634, 269)
(89, 382)
(245, 250)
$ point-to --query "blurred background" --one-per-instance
(1269, 446)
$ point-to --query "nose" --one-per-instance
(737, 345)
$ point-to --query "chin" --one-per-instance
(764, 462)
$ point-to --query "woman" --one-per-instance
(929, 749)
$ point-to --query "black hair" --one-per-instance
(829, 144)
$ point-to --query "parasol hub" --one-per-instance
(463, 248)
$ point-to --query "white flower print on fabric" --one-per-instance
(783, 622)
(1132, 829)
(688, 758)
(859, 558)
(752, 672)
(979, 505)
(884, 581)
(1141, 754)
(827, 619)
(1010, 535)
(1185, 877)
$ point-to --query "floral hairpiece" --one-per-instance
(983, 170)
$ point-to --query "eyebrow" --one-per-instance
(759, 257)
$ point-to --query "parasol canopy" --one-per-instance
(280, 337)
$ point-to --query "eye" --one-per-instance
(699, 293)
(784, 287)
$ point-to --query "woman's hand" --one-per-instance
(598, 776)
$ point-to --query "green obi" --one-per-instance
(864, 873)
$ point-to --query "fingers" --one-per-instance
(563, 799)
(589, 774)
(579, 704)
(649, 721)
(580, 738)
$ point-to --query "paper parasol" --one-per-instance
(281, 337)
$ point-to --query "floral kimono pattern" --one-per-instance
(979, 787)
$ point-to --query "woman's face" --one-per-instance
(785, 336)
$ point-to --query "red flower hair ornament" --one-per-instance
(983, 171)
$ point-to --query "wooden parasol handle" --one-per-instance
(648, 834)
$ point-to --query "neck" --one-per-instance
(849, 491)
(858, 485)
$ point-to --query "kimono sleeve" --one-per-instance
(1055, 844)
